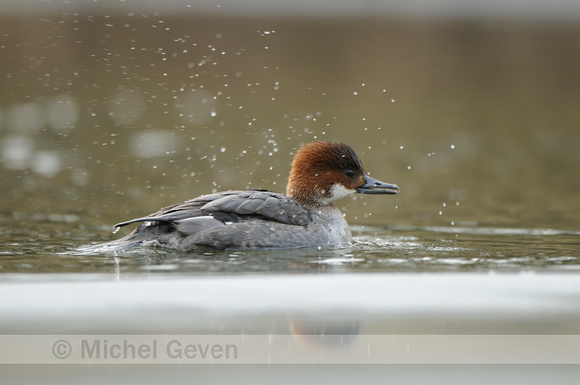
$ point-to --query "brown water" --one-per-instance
(106, 118)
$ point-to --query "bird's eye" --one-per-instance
(349, 173)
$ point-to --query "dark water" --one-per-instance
(54, 245)
(106, 118)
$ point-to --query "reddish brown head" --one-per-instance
(326, 171)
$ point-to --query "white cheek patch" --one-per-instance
(338, 191)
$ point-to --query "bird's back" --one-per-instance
(233, 219)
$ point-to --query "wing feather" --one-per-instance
(232, 206)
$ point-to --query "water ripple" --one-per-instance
(487, 230)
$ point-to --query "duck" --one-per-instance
(321, 173)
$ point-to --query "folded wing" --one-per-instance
(228, 207)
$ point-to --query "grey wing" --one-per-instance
(167, 214)
(177, 212)
(265, 204)
(230, 206)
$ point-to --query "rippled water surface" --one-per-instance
(54, 245)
